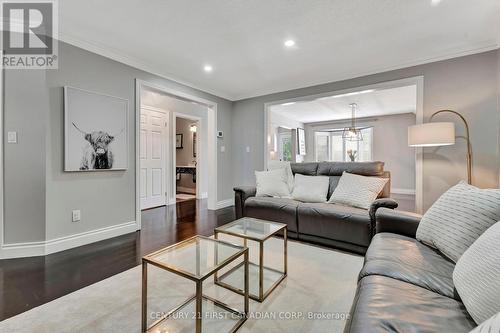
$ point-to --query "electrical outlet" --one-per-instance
(76, 216)
(222, 149)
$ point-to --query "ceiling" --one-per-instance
(370, 104)
(243, 40)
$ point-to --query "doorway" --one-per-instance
(186, 158)
(156, 173)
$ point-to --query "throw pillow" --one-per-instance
(272, 183)
(274, 165)
(458, 218)
(491, 325)
(357, 191)
(477, 275)
(310, 188)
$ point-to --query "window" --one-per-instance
(329, 146)
(285, 146)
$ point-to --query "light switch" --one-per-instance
(76, 215)
(222, 149)
(248, 149)
(11, 137)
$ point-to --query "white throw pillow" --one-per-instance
(274, 165)
(310, 188)
(491, 325)
(458, 218)
(357, 191)
(477, 275)
(272, 183)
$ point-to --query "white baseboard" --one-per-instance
(405, 191)
(189, 190)
(225, 203)
(33, 249)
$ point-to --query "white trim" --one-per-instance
(2, 115)
(32, 249)
(416, 80)
(225, 203)
(117, 55)
(120, 57)
(212, 142)
(403, 191)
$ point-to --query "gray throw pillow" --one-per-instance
(492, 325)
(477, 276)
(458, 218)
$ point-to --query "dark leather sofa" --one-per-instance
(334, 225)
(405, 286)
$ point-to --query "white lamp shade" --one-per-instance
(431, 134)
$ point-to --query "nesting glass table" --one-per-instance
(196, 259)
(263, 279)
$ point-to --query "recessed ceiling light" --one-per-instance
(289, 43)
(435, 2)
(289, 103)
(208, 68)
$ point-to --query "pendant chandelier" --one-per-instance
(352, 133)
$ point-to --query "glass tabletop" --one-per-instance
(196, 257)
(251, 228)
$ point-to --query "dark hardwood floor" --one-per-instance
(30, 282)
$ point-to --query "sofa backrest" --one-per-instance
(335, 169)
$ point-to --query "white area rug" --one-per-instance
(320, 283)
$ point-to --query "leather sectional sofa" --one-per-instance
(405, 286)
(344, 227)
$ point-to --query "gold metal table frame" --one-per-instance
(198, 296)
(263, 294)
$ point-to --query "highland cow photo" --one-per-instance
(95, 131)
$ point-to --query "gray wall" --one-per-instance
(466, 84)
(389, 145)
(39, 196)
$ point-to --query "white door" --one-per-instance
(153, 158)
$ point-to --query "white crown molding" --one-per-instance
(110, 53)
(480, 48)
(225, 203)
(33, 249)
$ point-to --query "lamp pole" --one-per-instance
(467, 137)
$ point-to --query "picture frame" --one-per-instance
(301, 141)
(178, 141)
(95, 131)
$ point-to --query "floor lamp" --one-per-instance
(440, 134)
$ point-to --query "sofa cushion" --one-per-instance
(343, 223)
(384, 304)
(406, 259)
(477, 275)
(458, 218)
(273, 209)
(357, 191)
(310, 188)
(273, 183)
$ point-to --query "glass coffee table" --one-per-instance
(196, 259)
(263, 279)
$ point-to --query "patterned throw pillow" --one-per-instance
(491, 325)
(477, 276)
(357, 191)
(458, 218)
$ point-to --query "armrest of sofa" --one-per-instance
(398, 222)
(376, 205)
(241, 194)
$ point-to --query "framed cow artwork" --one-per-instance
(95, 131)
